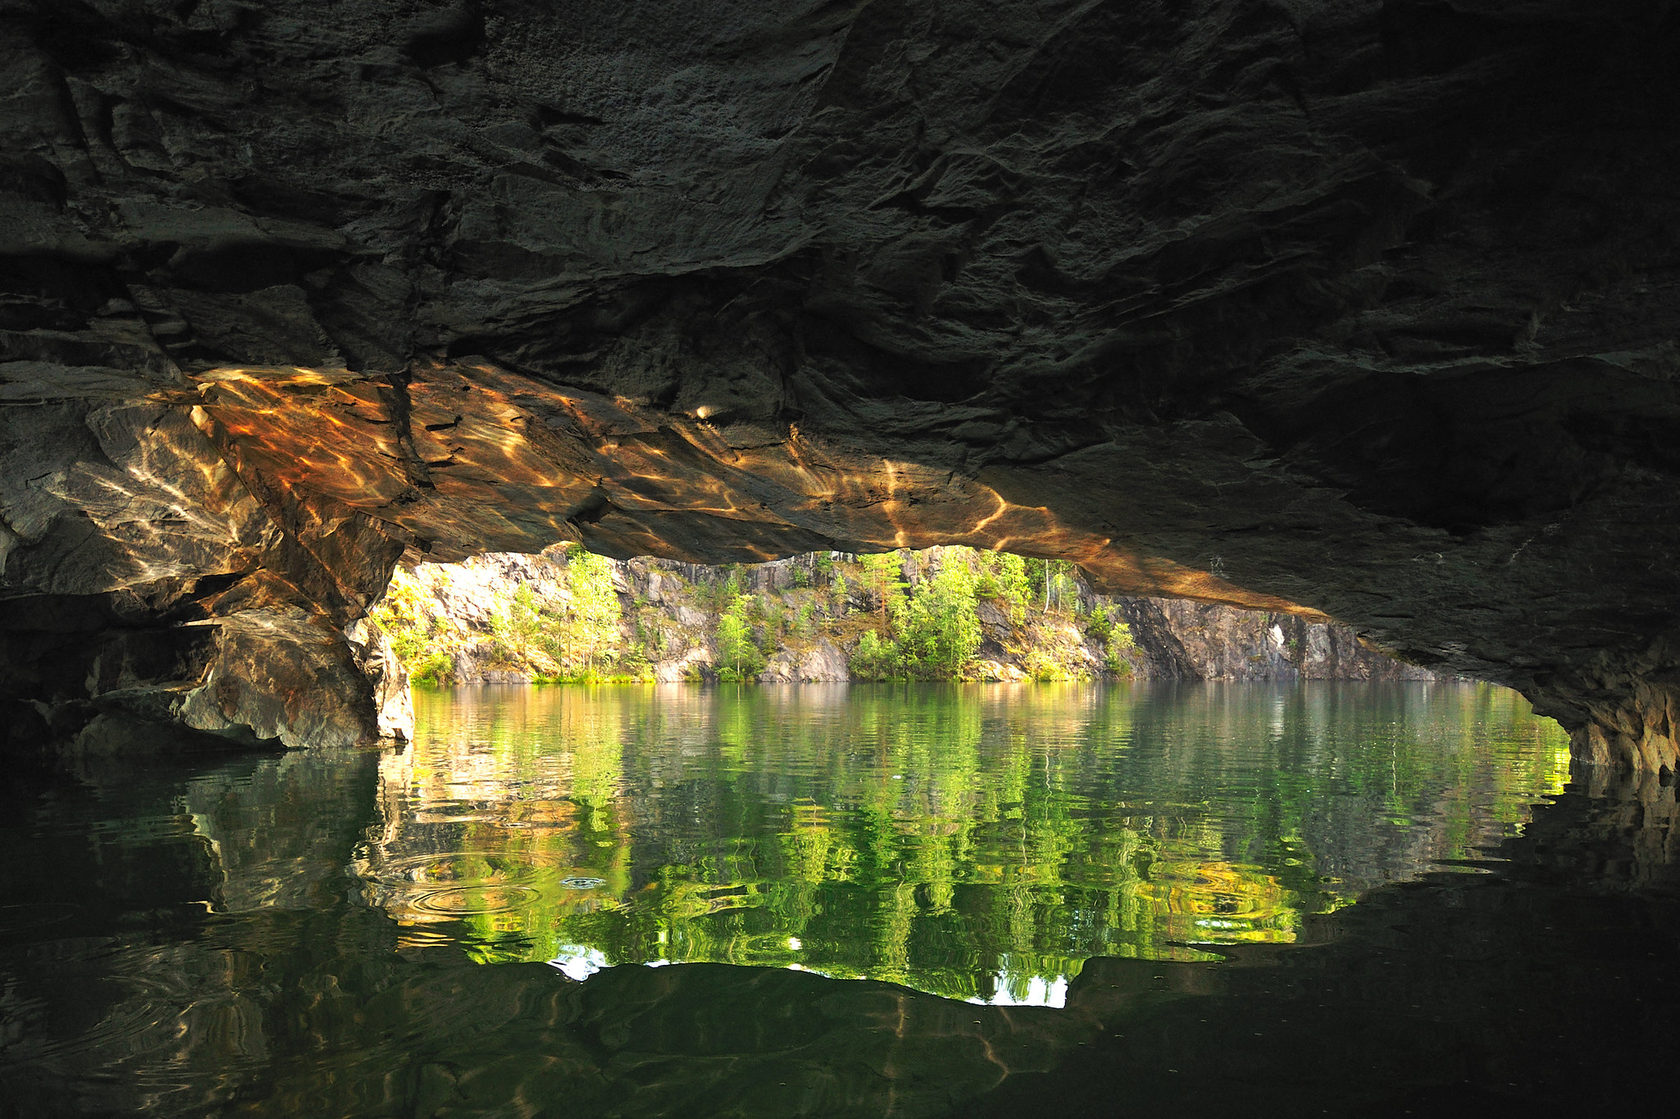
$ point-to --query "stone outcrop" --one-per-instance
(1183, 640)
(1364, 310)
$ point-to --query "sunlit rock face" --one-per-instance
(1366, 307)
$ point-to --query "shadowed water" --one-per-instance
(1164, 878)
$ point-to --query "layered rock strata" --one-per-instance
(1369, 307)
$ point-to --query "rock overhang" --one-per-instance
(1369, 307)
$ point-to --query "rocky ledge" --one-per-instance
(1353, 308)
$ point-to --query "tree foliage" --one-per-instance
(931, 634)
(516, 624)
(418, 637)
(591, 613)
(884, 577)
(738, 657)
(876, 657)
(939, 632)
(1003, 576)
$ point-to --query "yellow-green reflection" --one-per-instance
(977, 842)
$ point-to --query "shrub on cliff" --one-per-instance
(939, 632)
(422, 643)
(738, 658)
(876, 658)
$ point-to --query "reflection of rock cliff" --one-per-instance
(510, 617)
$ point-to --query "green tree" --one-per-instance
(940, 630)
(1064, 589)
(1003, 576)
(1053, 584)
(738, 657)
(885, 576)
(407, 614)
(875, 658)
(592, 613)
(515, 623)
(1116, 638)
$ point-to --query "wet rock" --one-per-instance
(282, 674)
(998, 671)
(378, 662)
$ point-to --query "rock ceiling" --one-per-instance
(1371, 308)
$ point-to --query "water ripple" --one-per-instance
(474, 900)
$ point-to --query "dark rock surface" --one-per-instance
(1369, 307)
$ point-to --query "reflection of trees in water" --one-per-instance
(965, 840)
(1362, 784)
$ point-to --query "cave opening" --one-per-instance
(1158, 768)
(1361, 310)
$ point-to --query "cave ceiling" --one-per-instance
(1368, 309)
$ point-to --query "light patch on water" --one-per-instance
(578, 961)
(1038, 990)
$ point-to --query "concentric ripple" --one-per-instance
(461, 868)
(128, 1014)
(459, 884)
(472, 901)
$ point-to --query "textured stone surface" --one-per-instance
(1368, 307)
(1188, 640)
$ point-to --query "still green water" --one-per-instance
(976, 842)
(467, 926)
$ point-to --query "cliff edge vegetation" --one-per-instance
(948, 613)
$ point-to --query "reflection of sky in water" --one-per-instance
(978, 843)
(1039, 991)
(578, 961)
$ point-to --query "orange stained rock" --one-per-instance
(467, 458)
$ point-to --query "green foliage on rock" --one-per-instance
(738, 657)
(561, 617)
(1116, 638)
(432, 667)
(883, 577)
(876, 658)
(418, 636)
(516, 624)
(590, 617)
(1003, 576)
(1052, 585)
(939, 632)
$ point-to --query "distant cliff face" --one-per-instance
(1198, 641)
(510, 618)
(1347, 308)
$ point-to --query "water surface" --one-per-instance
(881, 900)
(976, 842)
